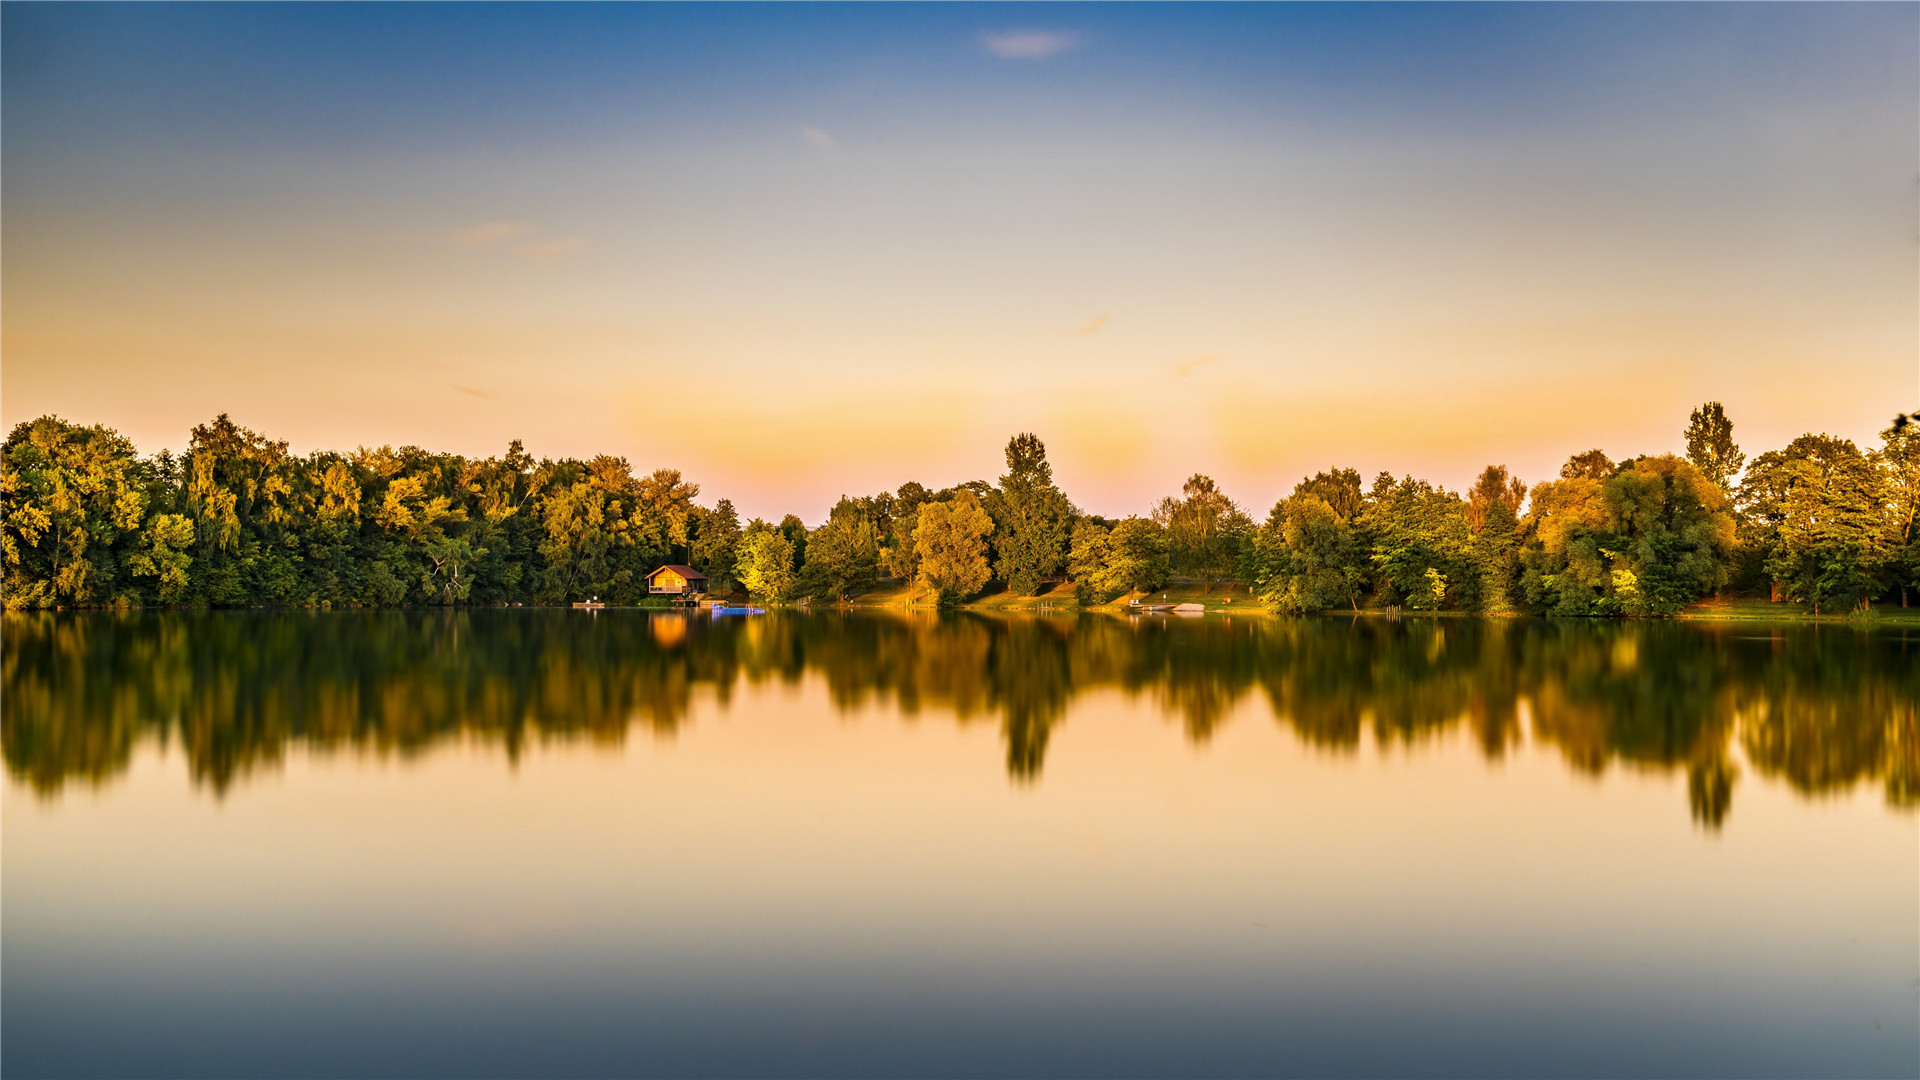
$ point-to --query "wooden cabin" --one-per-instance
(676, 580)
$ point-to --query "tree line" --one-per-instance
(240, 520)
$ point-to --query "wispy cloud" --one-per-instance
(1029, 44)
(521, 237)
(1187, 367)
(471, 390)
(488, 233)
(816, 138)
(548, 250)
(1098, 322)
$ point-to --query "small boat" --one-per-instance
(1190, 609)
(722, 609)
(1150, 609)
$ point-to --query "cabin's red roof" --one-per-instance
(687, 572)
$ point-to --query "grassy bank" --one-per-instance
(1758, 609)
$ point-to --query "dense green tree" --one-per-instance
(795, 531)
(1496, 551)
(713, 544)
(1817, 520)
(1643, 538)
(576, 544)
(1412, 527)
(75, 499)
(1032, 518)
(897, 555)
(1137, 559)
(1830, 533)
(843, 556)
(1493, 514)
(1087, 560)
(664, 503)
(1308, 556)
(951, 544)
(1309, 559)
(765, 564)
(1679, 530)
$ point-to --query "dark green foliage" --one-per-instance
(795, 532)
(1820, 510)
(1032, 518)
(714, 544)
(1308, 557)
(843, 556)
(1421, 545)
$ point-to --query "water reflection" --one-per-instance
(1820, 707)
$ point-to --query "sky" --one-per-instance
(800, 251)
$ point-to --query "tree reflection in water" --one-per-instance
(1822, 707)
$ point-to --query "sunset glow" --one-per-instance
(1254, 242)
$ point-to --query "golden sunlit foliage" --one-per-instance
(238, 520)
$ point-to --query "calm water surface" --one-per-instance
(511, 843)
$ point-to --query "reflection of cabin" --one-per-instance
(676, 580)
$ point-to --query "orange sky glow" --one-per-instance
(833, 276)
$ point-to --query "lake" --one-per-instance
(541, 842)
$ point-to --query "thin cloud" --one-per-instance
(1029, 44)
(816, 138)
(1098, 322)
(471, 390)
(548, 250)
(489, 233)
(1187, 367)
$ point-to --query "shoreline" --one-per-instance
(1732, 610)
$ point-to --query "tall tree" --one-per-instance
(713, 544)
(1033, 520)
(1710, 446)
(795, 531)
(1493, 514)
